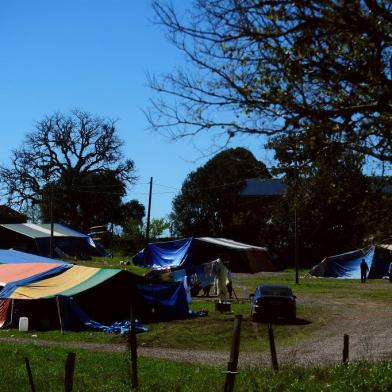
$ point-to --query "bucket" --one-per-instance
(222, 306)
(23, 324)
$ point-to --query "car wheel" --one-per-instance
(293, 316)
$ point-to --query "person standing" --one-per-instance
(229, 283)
(390, 272)
(364, 270)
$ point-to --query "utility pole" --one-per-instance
(149, 213)
(296, 217)
(111, 241)
(51, 222)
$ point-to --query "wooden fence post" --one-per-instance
(69, 372)
(29, 375)
(234, 353)
(132, 347)
(274, 358)
(345, 348)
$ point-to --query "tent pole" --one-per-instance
(51, 222)
(59, 313)
(12, 311)
(296, 218)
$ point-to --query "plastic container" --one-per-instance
(23, 324)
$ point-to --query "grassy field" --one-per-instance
(109, 372)
(112, 262)
(213, 333)
(374, 289)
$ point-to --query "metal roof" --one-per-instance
(264, 187)
(33, 230)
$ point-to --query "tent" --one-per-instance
(58, 294)
(34, 238)
(347, 265)
(187, 252)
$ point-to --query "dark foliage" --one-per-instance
(210, 202)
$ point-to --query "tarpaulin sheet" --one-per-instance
(43, 231)
(194, 251)
(14, 272)
(66, 240)
(74, 318)
(4, 308)
(74, 280)
(171, 254)
(15, 257)
(229, 243)
(346, 265)
(11, 286)
(167, 300)
(204, 274)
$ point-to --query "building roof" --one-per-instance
(277, 187)
(264, 187)
(8, 215)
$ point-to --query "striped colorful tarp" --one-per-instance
(71, 282)
(15, 272)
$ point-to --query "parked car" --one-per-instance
(272, 302)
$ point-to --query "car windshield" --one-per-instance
(281, 291)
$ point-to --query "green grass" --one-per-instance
(374, 289)
(109, 372)
(56, 335)
(109, 262)
(211, 333)
(214, 331)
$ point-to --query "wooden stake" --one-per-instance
(274, 358)
(234, 353)
(345, 348)
(69, 372)
(29, 375)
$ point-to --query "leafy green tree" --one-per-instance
(132, 214)
(275, 67)
(158, 226)
(134, 235)
(78, 159)
(210, 203)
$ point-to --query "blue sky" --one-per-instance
(93, 55)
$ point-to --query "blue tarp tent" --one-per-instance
(187, 252)
(10, 256)
(171, 254)
(347, 265)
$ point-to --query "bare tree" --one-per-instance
(274, 67)
(69, 153)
